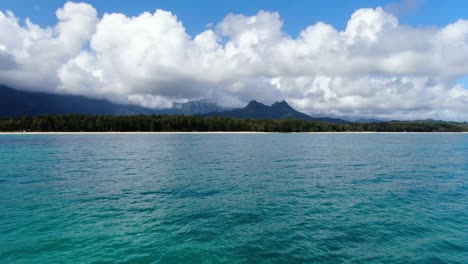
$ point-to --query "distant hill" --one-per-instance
(368, 120)
(15, 103)
(196, 107)
(256, 110)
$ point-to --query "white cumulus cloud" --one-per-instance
(374, 67)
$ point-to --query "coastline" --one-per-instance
(215, 132)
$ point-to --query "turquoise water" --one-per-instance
(234, 198)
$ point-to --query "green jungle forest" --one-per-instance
(181, 123)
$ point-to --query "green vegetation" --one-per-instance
(89, 123)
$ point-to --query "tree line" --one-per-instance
(181, 123)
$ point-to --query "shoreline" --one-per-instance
(214, 132)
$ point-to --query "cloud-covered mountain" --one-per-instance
(14, 103)
(195, 107)
(373, 67)
(256, 110)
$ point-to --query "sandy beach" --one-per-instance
(126, 133)
(213, 132)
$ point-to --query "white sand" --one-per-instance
(213, 132)
(124, 133)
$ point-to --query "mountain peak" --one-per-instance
(256, 110)
(255, 104)
(201, 106)
(282, 104)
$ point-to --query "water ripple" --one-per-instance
(269, 198)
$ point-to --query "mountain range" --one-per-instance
(197, 107)
(16, 103)
(256, 110)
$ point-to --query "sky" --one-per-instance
(402, 59)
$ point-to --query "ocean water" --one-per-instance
(234, 198)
